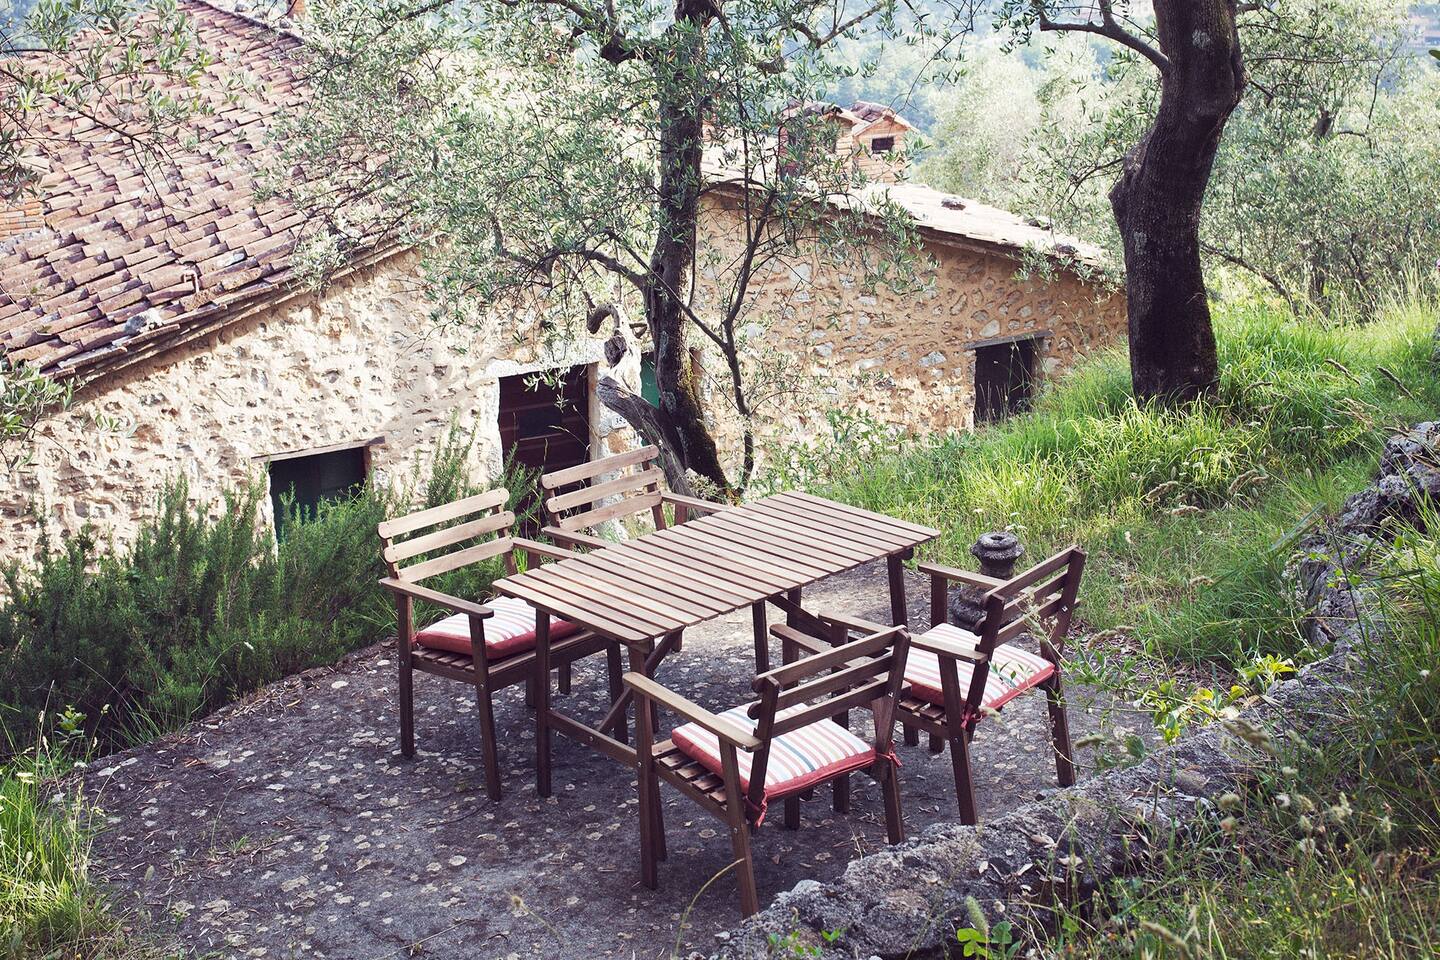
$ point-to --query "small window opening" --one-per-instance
(882, 145)
(1004, 380)
(313, 480)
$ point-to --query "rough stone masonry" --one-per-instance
(908, 900)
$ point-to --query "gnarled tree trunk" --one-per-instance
(680, 415)
(1158, 197)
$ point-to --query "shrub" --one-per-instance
(205, 606)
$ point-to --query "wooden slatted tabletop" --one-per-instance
(657, 585)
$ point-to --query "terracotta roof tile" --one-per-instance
(122, 240)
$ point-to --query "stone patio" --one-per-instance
(288, 825)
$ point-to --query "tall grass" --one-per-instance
(1333, 854)
(1179, 508)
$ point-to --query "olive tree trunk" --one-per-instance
(1158, 198)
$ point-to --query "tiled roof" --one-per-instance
(135, 256)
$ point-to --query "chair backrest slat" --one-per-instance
(448, 536)
(1028, 578)
(455, 560)
(399, 526)
(856, 697)
(841, 679)
(651, 476)
(578, 495)
(453, 544)
(793, 673)
(594, 468)
(621, 508)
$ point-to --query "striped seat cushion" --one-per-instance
(798, 760)
(510, 631)
(1012, 670)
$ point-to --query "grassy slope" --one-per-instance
(1178, 510)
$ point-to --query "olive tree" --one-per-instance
(558, 154)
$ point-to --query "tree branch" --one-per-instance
(1108, 27)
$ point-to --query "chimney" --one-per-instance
(21, 215)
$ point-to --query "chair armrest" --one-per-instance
(691, 504)
(436, 597)
(947, 648)
(800, 638)
(569, 538)
(853, 623)
(650, 690)
(539, 549)
(964, 576)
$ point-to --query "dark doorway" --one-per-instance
(545, 419)
(1004, 379)
(312, 480)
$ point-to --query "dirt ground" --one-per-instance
(289, 825)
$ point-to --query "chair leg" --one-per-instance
(937, 743)
(890, 786)
(964, 785)
(649, 874)
(487, 740)
(661, 853)
(564, 683)
(842, 794)
(744, 866)
(532, 693)
(614, 671)
(1060, 733)
(407, 710)
(792, 812)
(912, 734)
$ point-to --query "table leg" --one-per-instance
(762, 637)
(647, 664)
(895, 567)
(542, 703)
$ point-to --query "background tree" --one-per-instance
(562, 150)
(1325, 187)
(1158, 195)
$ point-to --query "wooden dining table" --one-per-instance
(645, 592)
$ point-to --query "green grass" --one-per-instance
(1333, 855)
(1178, 510)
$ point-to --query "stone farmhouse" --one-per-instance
(171, 300)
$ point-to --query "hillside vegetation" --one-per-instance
(1187, 515)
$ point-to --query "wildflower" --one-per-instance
(1282, 800)
(1228, 801)
(1341, 811)
(1386, 825)
(1228, 825)
(1306, 824)
(1289, 771)
(1306, 804)
(1307, 845)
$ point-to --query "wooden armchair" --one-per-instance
(489, 646)
(955, 677)
(573, 508)
(735, 764)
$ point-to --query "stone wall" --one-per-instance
(357, 361)
(900, 357)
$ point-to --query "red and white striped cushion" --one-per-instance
(798, 760)
(1012, 670)
(510, 631)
